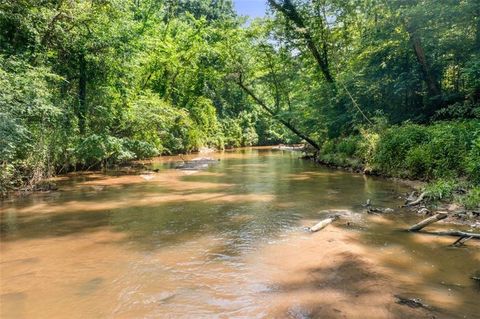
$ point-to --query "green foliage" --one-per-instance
(140, 149)
(426, 152)
(472, 161)
(394, 146)
(94, 83)
(349, 145)
(472, 199)
(441, 150)
(441, 189)
(328, 147)
(419, 161)
(94, 150)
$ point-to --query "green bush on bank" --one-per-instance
(442, 189)
(101, 150)
(442, 153)
(472, 199)
(430, 152)
(441, 150)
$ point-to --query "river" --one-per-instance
(226, 242)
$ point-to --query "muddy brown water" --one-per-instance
(226, 242)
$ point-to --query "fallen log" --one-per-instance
(322, 224)
(417, 201)
(461, 241)
(430, 220)
(455, 233)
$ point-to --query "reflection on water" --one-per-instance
(227, 242)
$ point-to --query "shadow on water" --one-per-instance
(421, 266)
(245, 201)
(437, 273)
(350, 289)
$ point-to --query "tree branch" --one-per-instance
(291, 13)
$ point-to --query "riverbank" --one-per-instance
(441, 161)
(429, 204)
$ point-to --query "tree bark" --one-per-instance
(82, 93)
(433, 87)
(272, 113)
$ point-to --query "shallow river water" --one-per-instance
(227, 242)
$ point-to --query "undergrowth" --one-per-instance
(445, 154)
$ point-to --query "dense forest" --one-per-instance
(390, 86)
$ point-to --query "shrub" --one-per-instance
(394, 145)
(348, 145)
(472, 199)
(419, 162)
(473, 162)
(367, 146)
(328, 147)
(448, 147)
(94, 150)
(441, 189)
(7, 174)
(140, 149)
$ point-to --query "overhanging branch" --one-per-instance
(274, 115)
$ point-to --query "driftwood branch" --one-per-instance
(461, 241)
(322, 224)
(430, 220)
(417, 201)
(455, 233)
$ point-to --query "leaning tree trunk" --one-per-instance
(320, 56)
(287, 124)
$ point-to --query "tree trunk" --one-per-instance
(454, 233)
(432, 85)
(433, 88)
(430, 220)
(291, 13)
(272, 113)
(82, 93)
